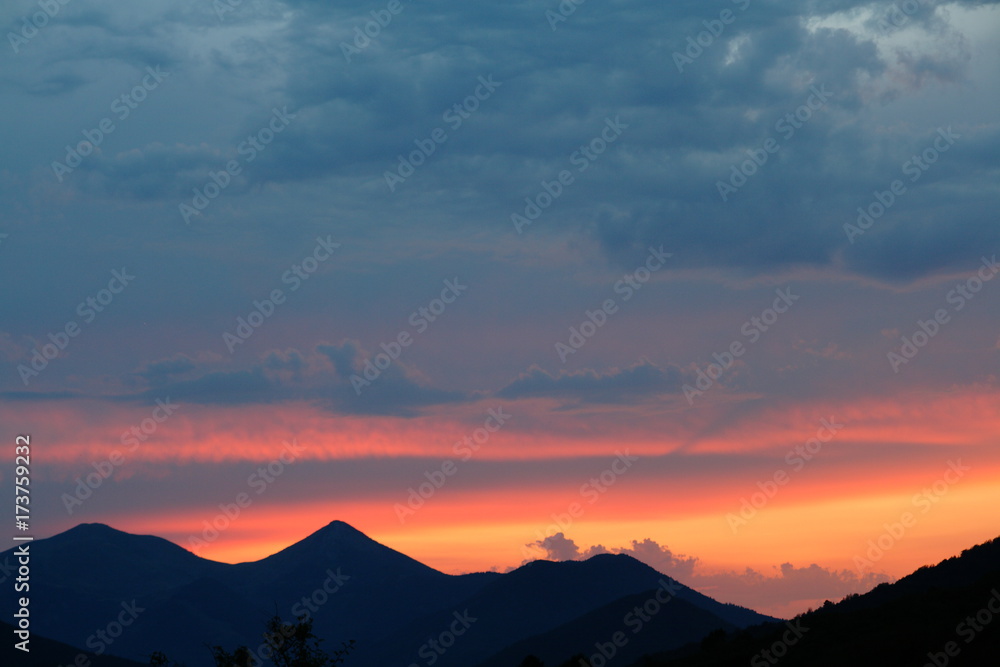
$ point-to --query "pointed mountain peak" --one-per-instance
(339, 534)
(342, 543)
(342, 529)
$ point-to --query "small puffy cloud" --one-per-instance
(660, 558)
(789, 587)
(557, 547)
(789, 584)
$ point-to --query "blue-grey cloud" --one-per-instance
(642, 380)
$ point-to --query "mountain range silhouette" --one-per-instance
(612, 609)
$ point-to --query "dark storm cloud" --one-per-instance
(334, 378)
(160, 371)
(224, 388)
(558, 81)
(39, 395)
(290, 375)
(643, 380)
(68, 46)
(875, 104)
(341, 356)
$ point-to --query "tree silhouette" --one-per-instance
(286, 644)
(241, 657)
(532, 661)
(291, 644)
(713, 640)
(160, 659)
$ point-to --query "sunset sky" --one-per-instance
(707, 283)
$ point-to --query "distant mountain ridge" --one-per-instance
(352, 586)
(621, 631)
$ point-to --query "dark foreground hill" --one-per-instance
(942, 615)
(45, 652)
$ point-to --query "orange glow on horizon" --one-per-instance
(689, 477)
(800, 533)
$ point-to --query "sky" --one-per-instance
(709, 283)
